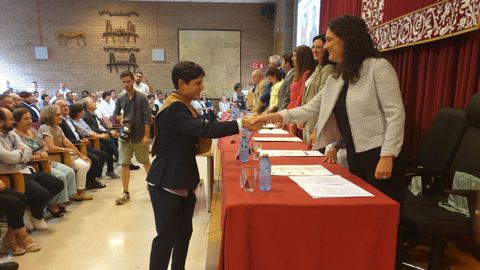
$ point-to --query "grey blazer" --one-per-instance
(284, 92)
(374, 107)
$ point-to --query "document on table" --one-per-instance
(272, 131)
(277, 139)
(304, 170)
(333, 186)
(291, 153)
(270, 125)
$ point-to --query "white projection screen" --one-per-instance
(218, 52)
(308, 20)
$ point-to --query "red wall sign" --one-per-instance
(258, 65)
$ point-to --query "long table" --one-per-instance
(287, 229)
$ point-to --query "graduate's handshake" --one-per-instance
(251, 124)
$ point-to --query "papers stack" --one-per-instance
(291, 153)
(272, 131)
(277, 139)
(333, 186)
(289, 170)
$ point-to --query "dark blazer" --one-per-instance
(284, 92)
(91, 121)
(67, 131)
(35, 116)
(175, 166)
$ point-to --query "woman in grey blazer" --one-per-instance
(360, 105)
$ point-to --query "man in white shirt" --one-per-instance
(139, 85)
(159, 100)
(63, 89)
(106, 108)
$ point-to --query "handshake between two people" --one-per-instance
(256, 122)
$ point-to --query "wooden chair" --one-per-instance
(64, 157)
(95, 143)
(41, 164)
(13, 180)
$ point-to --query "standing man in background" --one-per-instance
(135, 134)
(139, 85)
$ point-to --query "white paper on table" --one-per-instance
(333, 186)
(270, 125)
(277, 139)
(272, 131)
(303, 170)
(291, 153)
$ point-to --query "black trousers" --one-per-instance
(364, 165)
(173, 221)
(111, 149)
(13, 204)
(39, 188)
(98, 159)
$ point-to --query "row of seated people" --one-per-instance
(61, 128)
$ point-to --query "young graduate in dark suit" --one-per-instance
(173, 177)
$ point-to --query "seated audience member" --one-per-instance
(32, 108)
(23, 122)
(238, 99)
(6, 101)
(107, 146)
(14, 154)
(160, 98)
(106, 107)
(55, 140)
(275, 78)
(17, 240)
(94, 122)
(63, 89)
(44, 101)
(58, 96)
(223, 106)
(85, 93)
(69, 98)
(75, 97)
(17, 100)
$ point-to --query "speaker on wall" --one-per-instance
(41, 53)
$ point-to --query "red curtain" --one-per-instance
(444, 73)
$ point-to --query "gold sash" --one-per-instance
(204, 144)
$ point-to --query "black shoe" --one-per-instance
(57, 214)
(9, 266)
(133, 167)
(63, 209)
(95, 185)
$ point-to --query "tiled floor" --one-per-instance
(98, 235)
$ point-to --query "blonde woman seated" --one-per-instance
(55, 140)
(275, 77)
(23, 122)
(223, 106)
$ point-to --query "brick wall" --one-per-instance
(30, 23)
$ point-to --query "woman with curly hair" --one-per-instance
(361, 106)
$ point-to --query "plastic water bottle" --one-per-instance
(265, 170)
(243, 149)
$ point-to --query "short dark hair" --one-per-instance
(237, 86)
(287, 58)
(273, 71)
(43, 96)
(150, 96)
(186, 71)
(2, 114)
(25, 94)
(18, 113)
(126, 73)
(75, 109)
(106, 93)
(139, 72)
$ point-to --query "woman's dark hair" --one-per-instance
(357, 45)
(187, 71)
(19, 113)
(273, 71)
(75, 109)
(324, 60)
(304, 61)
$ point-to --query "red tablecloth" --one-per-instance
(287, 229)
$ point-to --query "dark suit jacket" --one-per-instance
(35, 116)
(175, 166)
(91, 121)
(284, 92)
(69, 133)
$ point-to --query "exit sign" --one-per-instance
(258, 65)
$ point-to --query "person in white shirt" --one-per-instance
(139, 85)
(223, 106)
(63, 89)
(106, 108)
(159, 99)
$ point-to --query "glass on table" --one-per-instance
(248, 178)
